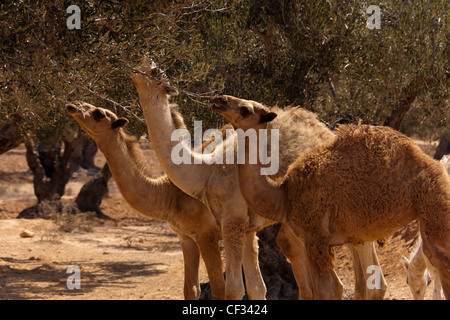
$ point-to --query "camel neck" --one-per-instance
(263, 196)
(190, 178)
(150, 197)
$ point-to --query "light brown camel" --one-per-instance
(362, 186)
(156, 198)
(307, 132)
(217, 186)
(213, 185)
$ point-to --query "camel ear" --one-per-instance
(267, 117)
(119, 123)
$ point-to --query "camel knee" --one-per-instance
(283, 242)
(233, 235)
(256, 291)
(234, 291)
(191, 292)
(327, 285)
(234, 285)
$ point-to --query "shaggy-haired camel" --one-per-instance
(361, 186)
(306, 133)
(217, 186)
(156, 198)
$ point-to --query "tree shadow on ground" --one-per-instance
(31, 279)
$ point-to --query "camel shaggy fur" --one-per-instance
(361, 186)
(306, 132)
(156, 198)
(217, 186)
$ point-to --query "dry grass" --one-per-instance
(80, 222)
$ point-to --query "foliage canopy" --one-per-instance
(317, 54)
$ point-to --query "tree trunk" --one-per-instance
(10, 136)
(407, 97)
(92, 193)
(84, 150)
(443, 147)
(50, 166)
(276, 271)
(267, 36)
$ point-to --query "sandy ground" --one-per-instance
(132, 257)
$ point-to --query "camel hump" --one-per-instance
(376, 138)
(357, 131)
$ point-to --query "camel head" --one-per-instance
(148, 76)
(243, 114)
(97, 122)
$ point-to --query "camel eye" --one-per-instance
(98, 115)
(245, 111)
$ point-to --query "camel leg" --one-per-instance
(418, 276)
(438, 294)
(433, 210)
(437, 250)
(209, 248)
(294, 250)
(326, 284)
(233, 234)
(191, 256)
(256, 289)
(363, 256)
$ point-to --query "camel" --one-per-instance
(361, 186)
(156, 198)
(216, 185)
(419, 269)
(308, 132)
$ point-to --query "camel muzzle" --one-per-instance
(219, 103)
(71, 108)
